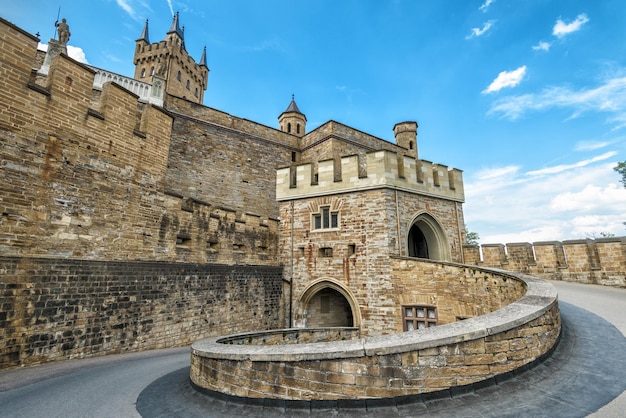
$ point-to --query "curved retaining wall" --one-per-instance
(410, 363)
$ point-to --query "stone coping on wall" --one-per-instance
(539, 298)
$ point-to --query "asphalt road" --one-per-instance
(112, 386)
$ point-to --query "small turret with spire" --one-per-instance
(175, 28)
(144, 34)
(292, 120)
(202, 61)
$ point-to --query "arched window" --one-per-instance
(427, 239)
(195, 93)
(152, 71)
(410, 144)
(143, 72)
(298, 128)
(178, 76)
(289, 127)
(187, 85)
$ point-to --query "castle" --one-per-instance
(134, 217)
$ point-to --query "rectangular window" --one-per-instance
(317, 221)
(326, 252)
(418, 317)
(325, 219)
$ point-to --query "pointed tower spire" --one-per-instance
(175, 28)
(293, 107)
(202, 61)
(144, 34)
(292, 120)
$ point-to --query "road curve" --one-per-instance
(156, 384)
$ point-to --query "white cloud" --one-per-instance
(542, 46)
(565, 167)
(561, 28)
(126, 7)
(485, 5)
(169, 3)
(476, 32)
(609, 97)
(574, 203)
(589, 198)
(77, 53)
(138, 9)
(73, 52)
(494, 173)
(590, 145)
(506, 79)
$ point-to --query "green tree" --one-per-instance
(471, 238)
(621, 170)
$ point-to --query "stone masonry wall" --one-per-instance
(456, 296)
(83, 175)
(63, 309)
(382, 376)
(600, 261)
(365, 272)
(76, 179)
(409, 363)
(225, 160)
(90, 235)
(360, 248)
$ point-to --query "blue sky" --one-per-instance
(528, 98)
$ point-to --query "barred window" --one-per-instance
(418, 317)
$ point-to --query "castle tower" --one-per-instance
(406, 136)
(169, 62)
(292, 120)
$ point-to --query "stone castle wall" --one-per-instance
(60, 309)
(84, 175)
(225, 160)
(599, 261)
(96, 244)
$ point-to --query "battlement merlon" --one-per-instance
(385, 169)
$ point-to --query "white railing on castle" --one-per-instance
(148, 93)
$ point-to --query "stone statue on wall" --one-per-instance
(64, 31)
(162, 68)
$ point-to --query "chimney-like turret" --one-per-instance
(406, 136)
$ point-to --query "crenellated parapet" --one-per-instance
(599, 261)
(384, 169)
(192, 230)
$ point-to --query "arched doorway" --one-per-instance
(426, 239)
(329, 308)
(326, 303)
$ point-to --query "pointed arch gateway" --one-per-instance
(327, 303)
(427, 239)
